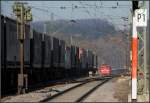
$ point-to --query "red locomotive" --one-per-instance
(105, 70)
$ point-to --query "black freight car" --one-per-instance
(47, 52)
(67, 57)
(12, 43)
(62, 54)
(87, 59)
(77, 58)
(73, 61)
(36, 49)
(46, 58)
(90, 59)
(3, 54)
(61, 60)
(85, 55)
(73, 56)
(95, 63)
(36, 58)
(55, 51)
(77, 61)
(83, 59)
(10, 53)
(82, 62)
(4, 72)
(67, 61)
(55, 59)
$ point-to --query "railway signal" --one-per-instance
(139, 20)
(23, 15)
(134, 53)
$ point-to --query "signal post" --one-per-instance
(23, 15)
(139, 62)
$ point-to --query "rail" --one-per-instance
(90, 91)
(81, 85)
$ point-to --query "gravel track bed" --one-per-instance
(76, 93)
(38, 95)
(116, 90)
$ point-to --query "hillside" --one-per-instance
(91, 28)
(98, 35)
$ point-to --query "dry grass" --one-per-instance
(122, 89)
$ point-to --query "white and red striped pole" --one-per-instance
(134, 60)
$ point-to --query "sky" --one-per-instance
(55, 10)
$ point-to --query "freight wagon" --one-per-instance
(46, 58)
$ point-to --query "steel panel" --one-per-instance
(47, 40)
(37, 49)
(12, 42)
(62, 53)
(55, 52)
(83, 59)
(73, 56)
(68, 58)
(2, 38)
(77, 58)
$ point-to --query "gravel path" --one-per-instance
(109, 92)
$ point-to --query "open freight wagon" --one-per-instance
(46, 58)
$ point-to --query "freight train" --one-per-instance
(46, 58)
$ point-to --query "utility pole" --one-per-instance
(23, 15)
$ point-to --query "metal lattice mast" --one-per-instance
(142, 63)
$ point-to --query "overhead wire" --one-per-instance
(45, 10)
(95, 6)
(108, 16)
(83, 5)
(86, 10)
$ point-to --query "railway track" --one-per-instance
(42, 85)
(77, 93)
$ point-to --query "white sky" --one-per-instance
(94, 11)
